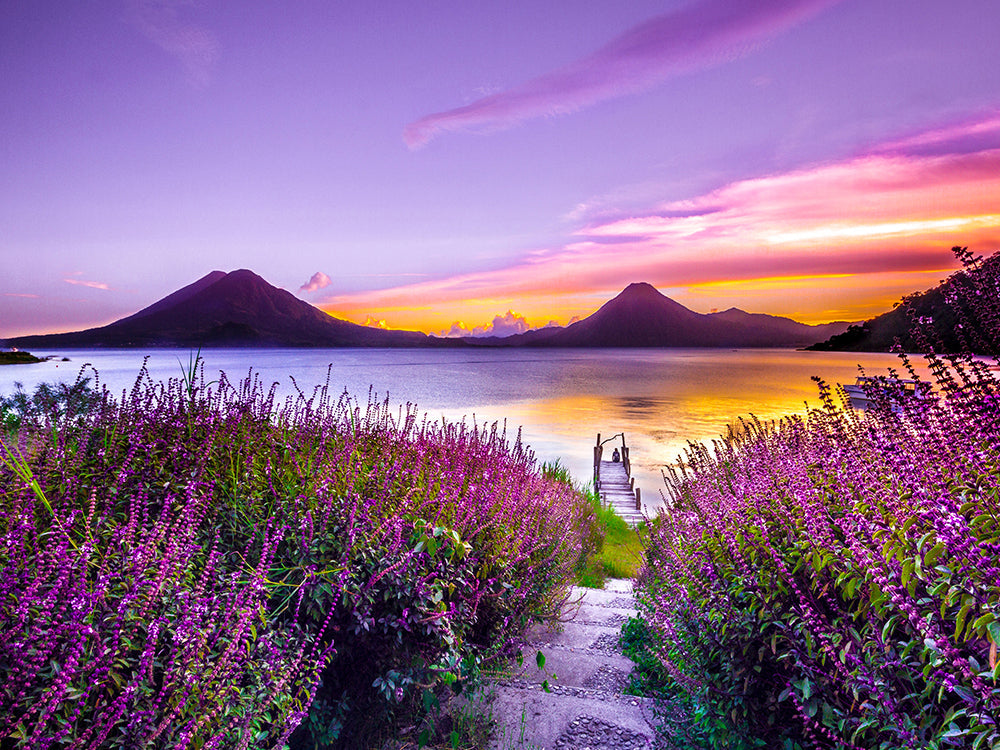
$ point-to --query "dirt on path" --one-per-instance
(586, 707)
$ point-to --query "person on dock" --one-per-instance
(616, 457)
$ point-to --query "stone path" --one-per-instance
(586, 672)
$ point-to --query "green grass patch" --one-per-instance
(614, 549)
(619, 553)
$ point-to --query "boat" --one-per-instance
(868, 390)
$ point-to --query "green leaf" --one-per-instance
(983, 622)
(934, 553)
(540, 660)
(994, 630)
(965, 694)
(960, 620)
(907, 571)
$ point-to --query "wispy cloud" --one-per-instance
(90, 284)
(967, 136)
(194, 46)
(319, 280)
(19, 294)
(892, 213)
(700, 35)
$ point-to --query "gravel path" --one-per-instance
(585, 707)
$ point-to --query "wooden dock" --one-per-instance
(614, 481)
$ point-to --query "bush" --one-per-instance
(207, 567)
(48, 405)
(833, 580)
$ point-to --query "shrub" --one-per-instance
(198, 566)
(48, 405)
(833, 580)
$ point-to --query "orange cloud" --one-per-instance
(889, 216)
(508, 324)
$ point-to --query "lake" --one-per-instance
(561, 399)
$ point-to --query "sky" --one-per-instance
(458, 167)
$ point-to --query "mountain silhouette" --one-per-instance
(228, 309)
(641, 316)
(242, 309)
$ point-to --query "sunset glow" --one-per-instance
(482, 170)
(853, 237)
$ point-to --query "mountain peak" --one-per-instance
(243, 273)
(238, 308)
(640, 286)
(642, 316)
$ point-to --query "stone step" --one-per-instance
(578, 637)
(589, 669)
(528, 717)
(586, 674)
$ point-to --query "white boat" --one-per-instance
(868, 389)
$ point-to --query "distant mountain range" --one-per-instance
(642, 316)
(240, 309)
(927, 317)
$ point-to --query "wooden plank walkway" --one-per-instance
(614, 485)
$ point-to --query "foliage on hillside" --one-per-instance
(958, 315)
(833, 581)
(18, 358)
(202, 566)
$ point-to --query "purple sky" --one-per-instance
(421, 164)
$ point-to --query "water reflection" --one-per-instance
(660, 399)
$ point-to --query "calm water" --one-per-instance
(561, 399)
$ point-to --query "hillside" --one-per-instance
(242, 309)
(927, 318)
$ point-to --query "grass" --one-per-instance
(616, 549)
(619, 555)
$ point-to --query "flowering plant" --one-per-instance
(200, 565)
(833, 580)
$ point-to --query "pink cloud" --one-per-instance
(17, 294)
(195, 47)
(700, 35)
(319, 280)
(885, 213)
(970, 135)
(90, 284)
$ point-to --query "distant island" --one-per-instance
(15, 357)
(240, 309)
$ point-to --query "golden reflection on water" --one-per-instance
(561, 399)
(661, 409)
